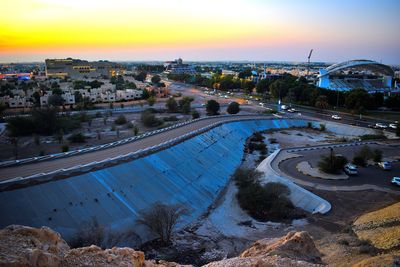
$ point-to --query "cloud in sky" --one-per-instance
(200, 29)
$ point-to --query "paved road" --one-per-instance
(368, 175)
(52, 165)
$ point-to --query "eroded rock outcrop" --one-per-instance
(294, 249)
(27, 246)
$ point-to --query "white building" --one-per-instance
(69, 98)
(18, 102)
(108, 97)
(129, 94)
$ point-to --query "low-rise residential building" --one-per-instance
(18, 102)
(129, 94)
(108, 97)
(69, 98)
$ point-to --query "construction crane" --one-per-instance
(308, 65)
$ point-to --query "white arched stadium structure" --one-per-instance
(367, 74)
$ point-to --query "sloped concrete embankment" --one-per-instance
(191, 173)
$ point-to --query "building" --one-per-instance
(107, 97)
(80, 69)
(129, 94)
(178, 67)
(367, 74)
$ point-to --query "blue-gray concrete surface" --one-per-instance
(191, 173)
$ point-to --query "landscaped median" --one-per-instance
(305, 168)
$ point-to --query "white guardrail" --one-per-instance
(43, 177)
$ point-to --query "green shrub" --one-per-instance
(309, 124)
(263, 202)
(195, 114)
(377, 157)
(359, 161)
(273, 141)
(257, 137)
(373, 137)
(120, 120)
(77, 138)
(322, 127)
(149, 119)
(171, 118)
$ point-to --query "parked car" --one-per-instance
(350, 169)
(393, 126)
(291, 110)
(396, 181)
(284, 107)
(385, 165)
(336, 117)
(381, 125)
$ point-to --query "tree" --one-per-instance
(322, 102)
(195, 114)
(398, 129)
(245, 73)
(161, 219)
(332, 163)
(151, 101)
(155, 79)
(278, 89)
(358, 99)
(233, 108)
(59, 136)
(56, 100)
(262, 86)
(77, 138)
(212, 107)
(120, 120)
(248, 86)
(171, 104)
(14, 141)
(149, 119)
(141, 76)
(185, 104)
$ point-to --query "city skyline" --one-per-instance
(256, 30)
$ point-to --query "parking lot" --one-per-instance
(372, 174)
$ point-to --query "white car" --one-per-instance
(291, 110)
(336, 117)
(350, 169)
(385, 165)
(396, 181)
(381, 125)
(393, 126)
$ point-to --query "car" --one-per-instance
(284, 107)
(336, 117)
(350, 169)
(380, 125)
(385, 165)
(396, 181)
(291, 110)
(393, 126)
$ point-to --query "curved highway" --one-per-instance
(81, 159)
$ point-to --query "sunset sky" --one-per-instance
(284, 30)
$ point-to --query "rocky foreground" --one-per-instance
(27, 246)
